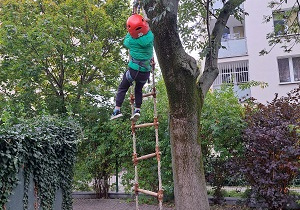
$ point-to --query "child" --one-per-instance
(139, 41)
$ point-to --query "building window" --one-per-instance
(289, 69)
(284, 70)
(239, 32)
(296, 68)
(236, 33)
(286, 22)
(232, 72)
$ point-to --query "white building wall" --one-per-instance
(264, 68)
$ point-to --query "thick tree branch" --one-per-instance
(41, 7)
(51, 78)
(207, 27)
(61, 68)
(298, 3)
(167, 41)
(211, 68)
(206, 6)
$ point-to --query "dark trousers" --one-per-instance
(140, 79)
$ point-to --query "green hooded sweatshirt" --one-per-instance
(140, 49)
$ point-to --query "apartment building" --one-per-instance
(240, 60)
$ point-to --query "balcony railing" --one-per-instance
(232, 72)
(234, 47)
(235, 73)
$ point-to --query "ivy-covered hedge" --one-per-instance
(45, 147)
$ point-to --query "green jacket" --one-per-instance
(140, 49)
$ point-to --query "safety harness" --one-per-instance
(141, 63)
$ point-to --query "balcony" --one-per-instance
(234, 46)
(234, 73)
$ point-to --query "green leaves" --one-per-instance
(46, 148)
(222, 121)
(221, 129)
(54, 52)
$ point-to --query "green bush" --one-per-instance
(221, 128)
(46, 148)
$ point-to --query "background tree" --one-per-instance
(108, 144)
(186, 89)
(64, 57)
(55, 54)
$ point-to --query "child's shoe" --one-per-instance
(136, 115)
(116, 114)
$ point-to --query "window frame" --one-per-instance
(284, 21)
(291, 69)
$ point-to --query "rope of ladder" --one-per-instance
(157, 152)
(137, 8)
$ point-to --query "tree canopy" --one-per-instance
(57, 53)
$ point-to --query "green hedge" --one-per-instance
(45, 147)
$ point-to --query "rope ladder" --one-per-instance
(137, 8)
(157, 153)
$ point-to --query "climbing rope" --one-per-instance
(136, 9)
(157, 152)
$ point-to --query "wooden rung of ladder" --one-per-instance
(150, 94)
(159, 194)
(146, 125)
(146, 95)
(147, 156)
(148, 192)
(153, 93)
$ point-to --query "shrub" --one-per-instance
(221, 128)
(46, 148)
(272, 149)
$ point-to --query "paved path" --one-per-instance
(110, 204)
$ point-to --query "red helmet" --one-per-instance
(137, 26)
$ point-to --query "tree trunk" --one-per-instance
(186, 94)
(185, 106)
(189, 181)
(185, 103)
(185, 100)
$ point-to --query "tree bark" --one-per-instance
(186, 90)
(180, 72)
